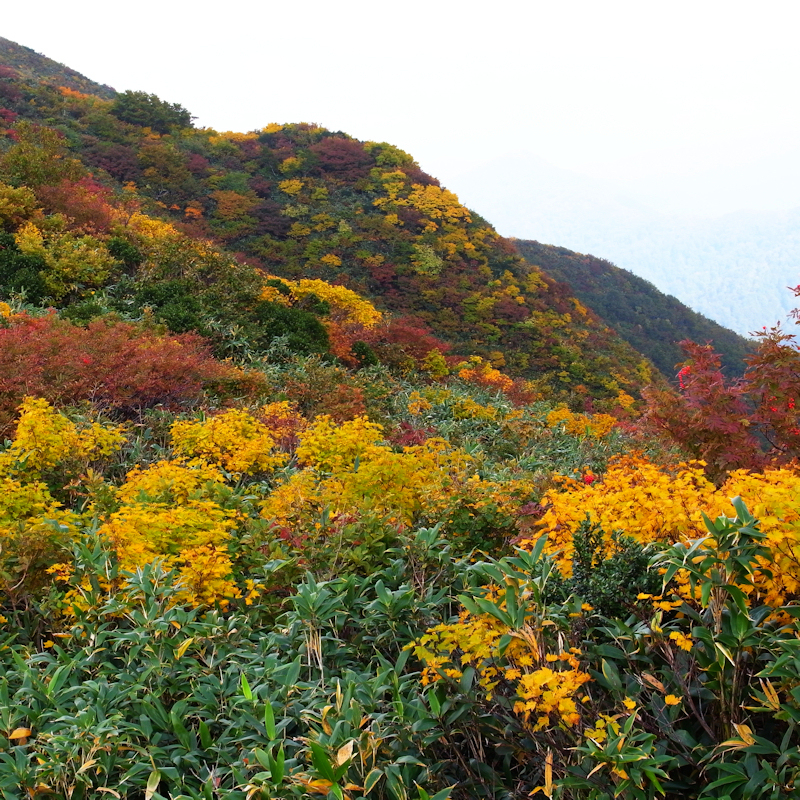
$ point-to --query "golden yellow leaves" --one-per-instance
(643, 500)
(595, 425)
(235, 441)
(545, 693)
(682, 640)
(45, 438)
(329, 447)
(168, 513)
(345, 305)
(292, 186)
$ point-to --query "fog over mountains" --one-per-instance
(733, 267)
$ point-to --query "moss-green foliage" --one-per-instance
(147, 110)
(21, 273)
(610, 584)
(303, 331)
(652, 322)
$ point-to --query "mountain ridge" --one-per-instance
(651, 321)
(35, 66)
(298, 201)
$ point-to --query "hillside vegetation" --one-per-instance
(649, 320)
(311, 487)
(297, 201)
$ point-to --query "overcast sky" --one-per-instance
(690, 96)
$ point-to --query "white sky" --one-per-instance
(683, 95)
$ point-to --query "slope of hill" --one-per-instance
(298, 201)
(649, 320)
(32, 66)
(708, 263)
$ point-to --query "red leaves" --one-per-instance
(343, 158)
(122, 366)
(740, 425)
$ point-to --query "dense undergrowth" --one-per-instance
(260, 538)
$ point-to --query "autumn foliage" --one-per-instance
(367, 508)
(118, 366)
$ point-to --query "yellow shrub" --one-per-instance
(545, 684)
(170, 482)
(467, 408)
(346, 305)
(235, 441)
(597, 425)
(145, 531)
(652, 503)
(636, 496)
(46, 438)
(205, 575)
(327, 446)
(400, 485)
(396, 486)
(295, 503)
(168, 513)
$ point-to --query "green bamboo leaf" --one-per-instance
(433, 702)
(262, 757)
(371, 781)
(152, 784)
(611, 674)
(278, 769)
(246, 691)
(321, 762)
(205, 736)
(725, 652)
(269, 720)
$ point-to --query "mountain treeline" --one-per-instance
(652, 322)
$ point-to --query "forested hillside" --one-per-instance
(650, 321)
(299, 201)
(310, 486)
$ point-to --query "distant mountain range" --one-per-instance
(734, 268)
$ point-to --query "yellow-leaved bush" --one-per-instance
(545, 685)
(330, 447)
(595, 425)
(234, 440)
(73, 263)
(348, 470)
(168, 512)
(652, 503)
(32, 521)
(346, 306)
(45, 439)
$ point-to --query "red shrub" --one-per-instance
(85, 202)
(121, 366)
(342, 158)
(404, 338)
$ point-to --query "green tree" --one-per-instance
(147, 110)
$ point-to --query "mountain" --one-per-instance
(31, 66)
(263, 534)
(300, 202)
(649, 320)
(707, 262)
